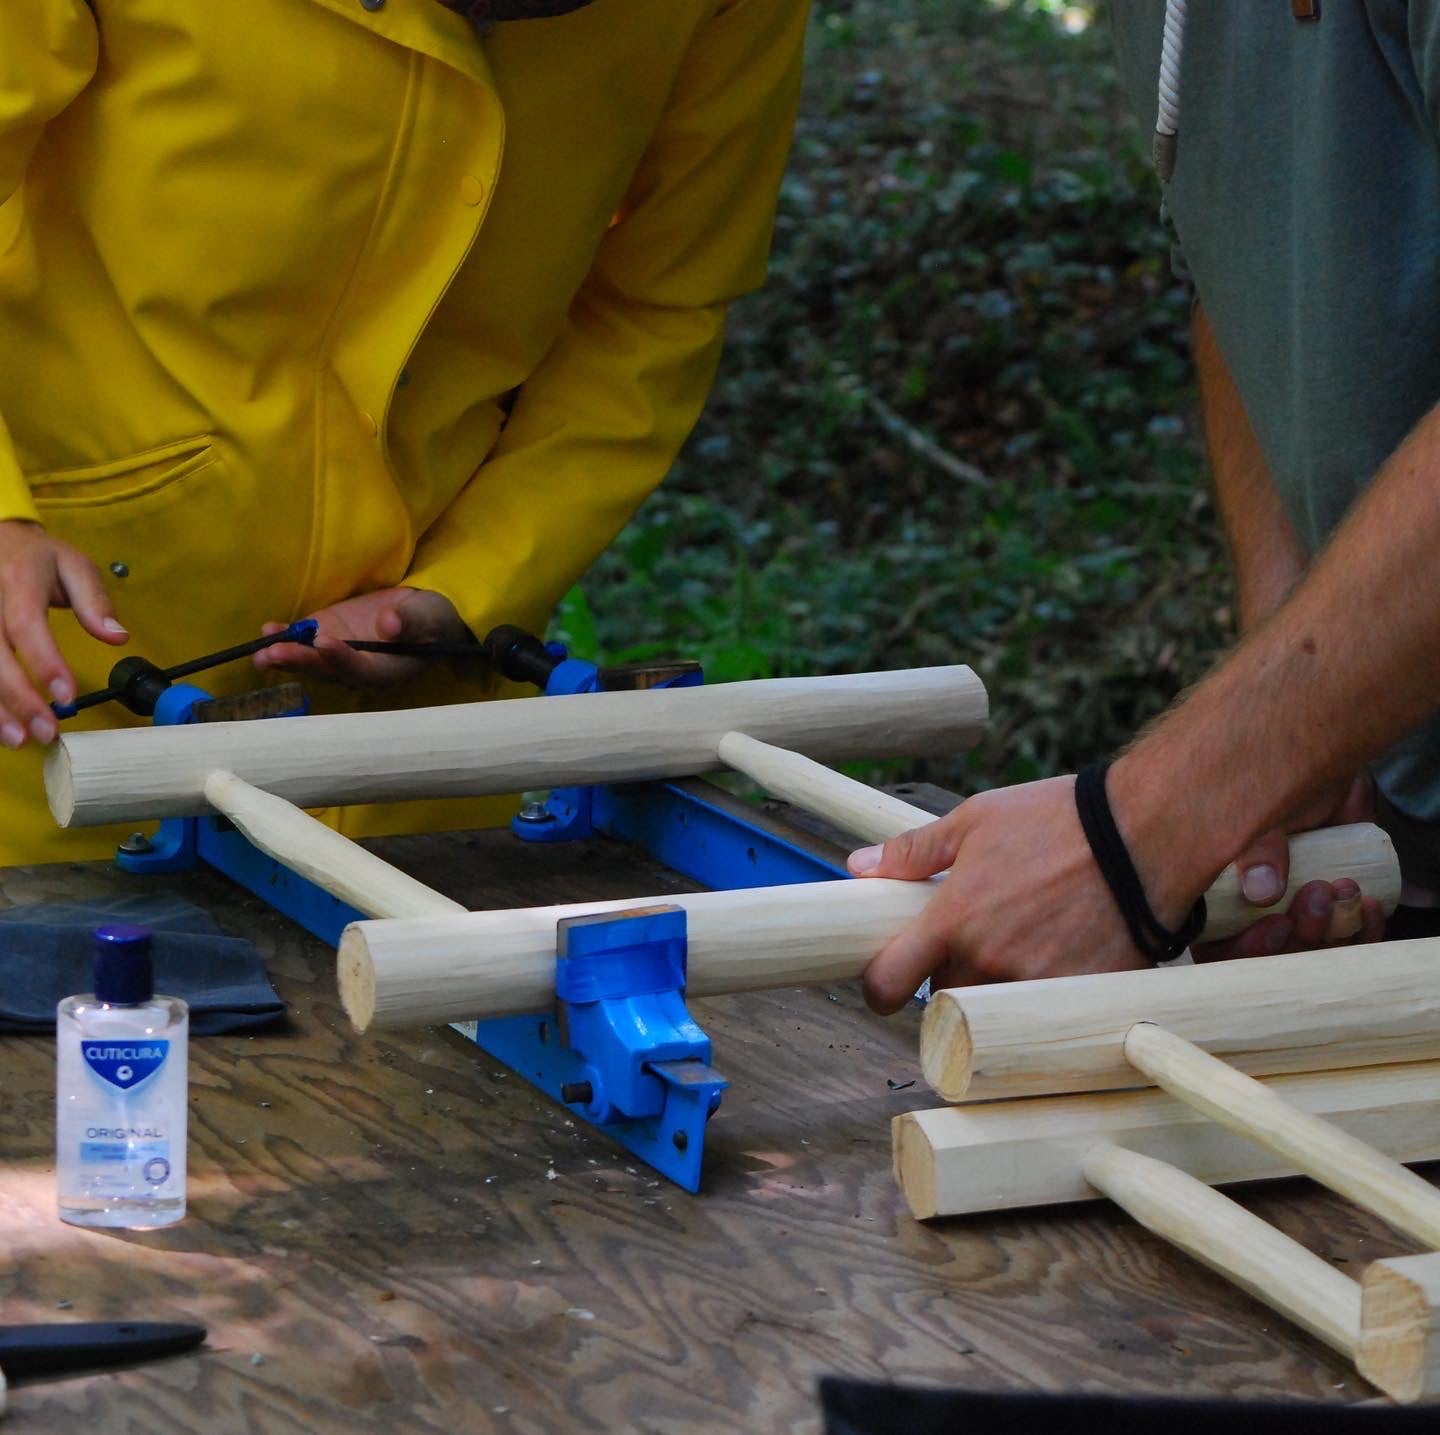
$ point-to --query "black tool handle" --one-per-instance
(28, 1349)
(521, 656)
(139, 683)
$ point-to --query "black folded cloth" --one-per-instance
(46, 955)
(853, 1407)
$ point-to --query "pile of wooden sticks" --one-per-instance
(1037, 1066)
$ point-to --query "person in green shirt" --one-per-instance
(1299, 147)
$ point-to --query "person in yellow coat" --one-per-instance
(389, 312)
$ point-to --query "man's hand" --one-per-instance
(411, 615)
(1024, 897)
(37, 573)
(1322, 913)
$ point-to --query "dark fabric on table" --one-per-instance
(856, 1408)
(45, 956)
(1406, 922)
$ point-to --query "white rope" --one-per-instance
(1167, 118)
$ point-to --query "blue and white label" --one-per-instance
(125, 1064)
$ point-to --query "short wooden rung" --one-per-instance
(1301, 1139)
(1230, 1240)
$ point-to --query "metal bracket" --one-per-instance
(621, 1049)
(568, 814)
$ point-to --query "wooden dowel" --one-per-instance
(1359, 850)
(478, 748)
(342, 867)
(502, 963)
(854, 807)
(1399, 1348)
(999, 1155)
(1304, 1141)
(1303, 1011)
(1231, 1241)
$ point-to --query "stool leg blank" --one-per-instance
(1399, 1348)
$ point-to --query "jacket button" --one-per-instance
(471, 190)
(367, 421)
(372, 4)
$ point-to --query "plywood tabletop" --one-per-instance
(393, 1234)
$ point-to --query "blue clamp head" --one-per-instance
(640, 1065)
(620, 986)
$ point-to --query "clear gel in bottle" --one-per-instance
(121, 1086)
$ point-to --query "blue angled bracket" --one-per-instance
(620, 1049)
(569, 813)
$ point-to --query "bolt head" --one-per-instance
(136, 843)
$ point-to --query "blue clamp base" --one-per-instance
(621, 1049)
(569, 814)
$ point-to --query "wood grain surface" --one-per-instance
(392, 1235)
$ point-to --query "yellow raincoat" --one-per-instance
(304, 298)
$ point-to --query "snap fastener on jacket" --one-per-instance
(471, 190)
(372, 4)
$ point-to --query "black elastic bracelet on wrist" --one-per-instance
(1112, 857)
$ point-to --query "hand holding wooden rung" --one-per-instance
(1360, 850)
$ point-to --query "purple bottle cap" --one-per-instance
(124, 975)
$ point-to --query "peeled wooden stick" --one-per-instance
(478, 748)
(342, 867)
(1000, 1155)
(1360, 850)
(502, 963)
(1302, 1140)
(1230, 1240)
(852, 806)
(1303, 1011)
(1399, 1347)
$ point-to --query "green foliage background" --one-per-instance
(969, 255)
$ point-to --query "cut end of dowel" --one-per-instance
(914, 1162)
(60, 784)
(355, 972)
(946, 1051)
(220, 786)
(1399, 1346)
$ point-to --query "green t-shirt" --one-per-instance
(1306, 199)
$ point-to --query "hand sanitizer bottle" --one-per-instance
(121, 1092)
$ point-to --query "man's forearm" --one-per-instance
(1267, 555)
(1337, 674)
